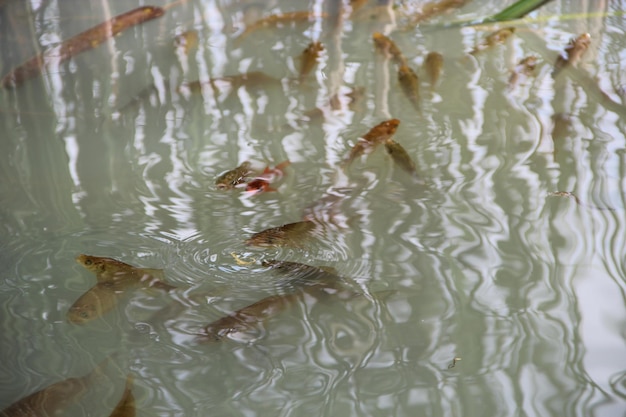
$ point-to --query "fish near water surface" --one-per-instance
(386, 46)
(280, 19)
(524, 68)
(493, 39)
(308, 58)
(291, 234)
(115, 278)
(400, 156)
(234, 177)
(374, 137)
(303, 279)
(54, 399)
(262, 182)
(573, 51)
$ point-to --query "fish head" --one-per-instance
(95, 264)
(81, 313)
(390, 126)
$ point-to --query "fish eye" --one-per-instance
(84, 315)
(88, 262)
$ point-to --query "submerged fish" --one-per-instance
(410, 85)
(573, 51)
(54, 399)
(304, 279)
(524, 68)
(400, 156)
(494, 38)
(234, 177)
(385, 46)
(81, 42)
(377, 135)
(114, 279)
(262, 182)
(433, 64)
(430, 10)
(308, 58)
(186, 41)
(291, 234)
(278, 19)
(126, 405)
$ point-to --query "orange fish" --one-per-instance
(573, 51)
(377, 135)
(262, 183)
(292, 234)
(410, 85)
(524, 68)
(494, 38)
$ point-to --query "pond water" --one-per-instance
(480, 292)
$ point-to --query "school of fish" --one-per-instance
(117, 281)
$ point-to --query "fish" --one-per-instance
(315, 281)
(430, 10)
(81, 42)
(278, 19)
(115, 278)
(308, 58)
(386, 46)
(250, 80)
(126, 405)
(262, 182)
(291, 234)
(525, 68)
(54, 399)
(433, 64)
(374, 137)
(400, 156)
(410, 85)
(494, 38)
(234, 177)
(186, 41)
(573, 51)
(248, 317)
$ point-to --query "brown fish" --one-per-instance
(313, 280)
(386, 46)
(524, 68)
(410, 85)
(494, 38)
(377, 135)
(291, 234)
(115, 278)
(433, 64)
(430, 10)
(84, 41)
(308, 58)
(54, 399)
(573, 51)
(278, 19)
(400, 156)
(186, 41)
(126, 406)
(234, 177)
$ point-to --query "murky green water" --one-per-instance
(105, 155)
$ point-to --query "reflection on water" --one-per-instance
(508, 256)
